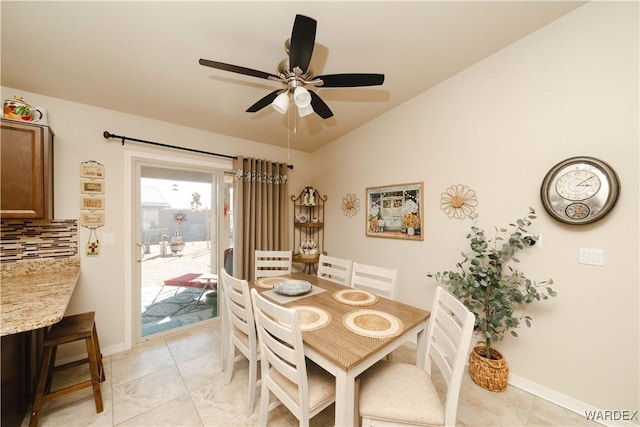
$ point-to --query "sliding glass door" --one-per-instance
(183, 229)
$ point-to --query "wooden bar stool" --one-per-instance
(69, 329)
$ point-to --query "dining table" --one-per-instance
(346, 331)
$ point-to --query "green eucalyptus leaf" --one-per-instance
(489, 286)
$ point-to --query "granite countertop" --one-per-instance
(35, 294)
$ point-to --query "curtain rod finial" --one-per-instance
(106, 134)
(290, 166)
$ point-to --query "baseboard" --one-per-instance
(569, 403)
(603, 417)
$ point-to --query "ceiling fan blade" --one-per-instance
(319, 106)
(351, 80)
(237, 69)
(263, 102)
(303, 37)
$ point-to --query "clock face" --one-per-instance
(580, 190)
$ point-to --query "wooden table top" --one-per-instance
(335, 341)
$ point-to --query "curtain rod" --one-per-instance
(108, 134)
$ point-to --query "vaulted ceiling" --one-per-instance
(142, 57)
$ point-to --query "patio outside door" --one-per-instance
(182, 233)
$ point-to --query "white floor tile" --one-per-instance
(177, 380)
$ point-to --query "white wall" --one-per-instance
(569, 89)
(78, 137)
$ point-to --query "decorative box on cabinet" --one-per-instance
(26, 156)
(308, 228)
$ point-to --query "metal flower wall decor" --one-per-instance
(350, 205)
(459, 201)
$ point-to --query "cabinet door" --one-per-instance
(26, 156)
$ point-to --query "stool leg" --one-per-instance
(43, 379)
(50, 369)
(95, 375)
(98, 352)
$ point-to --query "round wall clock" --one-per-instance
(580, 190)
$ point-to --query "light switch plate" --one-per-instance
(591, 256)
(108, 239)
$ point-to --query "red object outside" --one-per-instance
(189, 279)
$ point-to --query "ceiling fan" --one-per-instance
(294, 74)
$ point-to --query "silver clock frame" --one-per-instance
(585, 210)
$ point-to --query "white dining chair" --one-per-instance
(272, 263)
(302, 386)
(337, 270)
(241, 332)
(379, 280)
(404, 394)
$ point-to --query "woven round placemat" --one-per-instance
(268, 282)
(312, 318)
(372, 323)
(355, 297)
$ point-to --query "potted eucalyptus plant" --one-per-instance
(489, 286)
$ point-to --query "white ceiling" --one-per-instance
(142, 57)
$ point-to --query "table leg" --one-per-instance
(345, 400)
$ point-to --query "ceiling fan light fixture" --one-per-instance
(301, 97)
(281, 103)
(305, 111)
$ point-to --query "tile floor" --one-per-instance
(177, 381)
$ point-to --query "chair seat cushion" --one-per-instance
(400, 392)
(322, 385)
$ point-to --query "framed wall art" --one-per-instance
(88, 186)
(395, 211)
(92, 169)
(92, 202)
(92, 219)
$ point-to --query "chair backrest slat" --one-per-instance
(337, 270)
(281, 347)
(272, 263)
(448, 341)
(379, 280)
(238, 305)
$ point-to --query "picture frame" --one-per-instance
(92, 170)
(91, 186)
(91, 219)
(92, 203)
(395, 211)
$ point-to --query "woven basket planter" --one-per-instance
(490, 374)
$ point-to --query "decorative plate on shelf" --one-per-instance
(292, 287)
(269, 282)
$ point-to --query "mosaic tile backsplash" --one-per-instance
(23, 239)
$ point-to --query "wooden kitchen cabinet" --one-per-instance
(26, 169)
(21, 356)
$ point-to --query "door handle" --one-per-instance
(141, 252)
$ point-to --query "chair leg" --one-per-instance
(231, 354)
(264, 404)
(47, 366)
(98, 352)
(253, 378)
(50, 368)
(95, 374)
